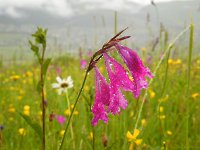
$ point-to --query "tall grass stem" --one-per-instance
(191, 41)
(43, 99)
(155, 71)
(72, 112)
(115, 23)
(71, 129)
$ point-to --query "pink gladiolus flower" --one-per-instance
(60, 119)
(136, 67)
(118, 80)
(118, 74)
(89, 53)
(58, 70)
(102, 98)
(83, 64)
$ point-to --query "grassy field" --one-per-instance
(165, 116)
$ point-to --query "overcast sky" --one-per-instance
(61, 7)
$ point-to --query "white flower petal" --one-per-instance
(59, 79)
(70, 85)
(69, 79)
(55, 85)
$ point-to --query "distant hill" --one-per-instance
(91, 28)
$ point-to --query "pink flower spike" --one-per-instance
(60, 119)
(117, 101)
(58, 70)
(83, 63)
(118, 80)
(117, 74)
(102, 98)
(136, 67)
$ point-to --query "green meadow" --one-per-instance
(164, 117)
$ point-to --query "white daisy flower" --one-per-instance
(63, 84)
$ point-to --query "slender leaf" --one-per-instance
(45, 66)
(34, 125)
(39, 87)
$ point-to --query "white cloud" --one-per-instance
(59, 7)
(63, 7)
(56, 7)
(13, 13)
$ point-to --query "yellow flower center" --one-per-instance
(64, 85)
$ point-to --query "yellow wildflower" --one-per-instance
(26, 107)
(11, 110)
(90, 136)
(133, 138)
(67, 112)
(29, 74)
(161, 109)
(195, 95)
(143, 49)
(198, 61)
(170, 61)
(62, 132)
(14, 77)
(72, 106)
(162, 117)
(26, 110)
(40, 113)
(138, 141)
(132, 114)
(75, 112)
(174, 62)
(169, 132)
(22, 131)
(144, 122)
(152, 93)
(178, 62)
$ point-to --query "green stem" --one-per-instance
(43, 99)
(93, 138)
(71, 129)
(155, 71)
(68, 122)
(188, 82)
(115, 29)
(166, 72)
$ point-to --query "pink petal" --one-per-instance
(117, 101)
(118, 74)
(136, 67)
(99, 113)
(83, 64)
(118, 80)
(102, 98)
(60, 119)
